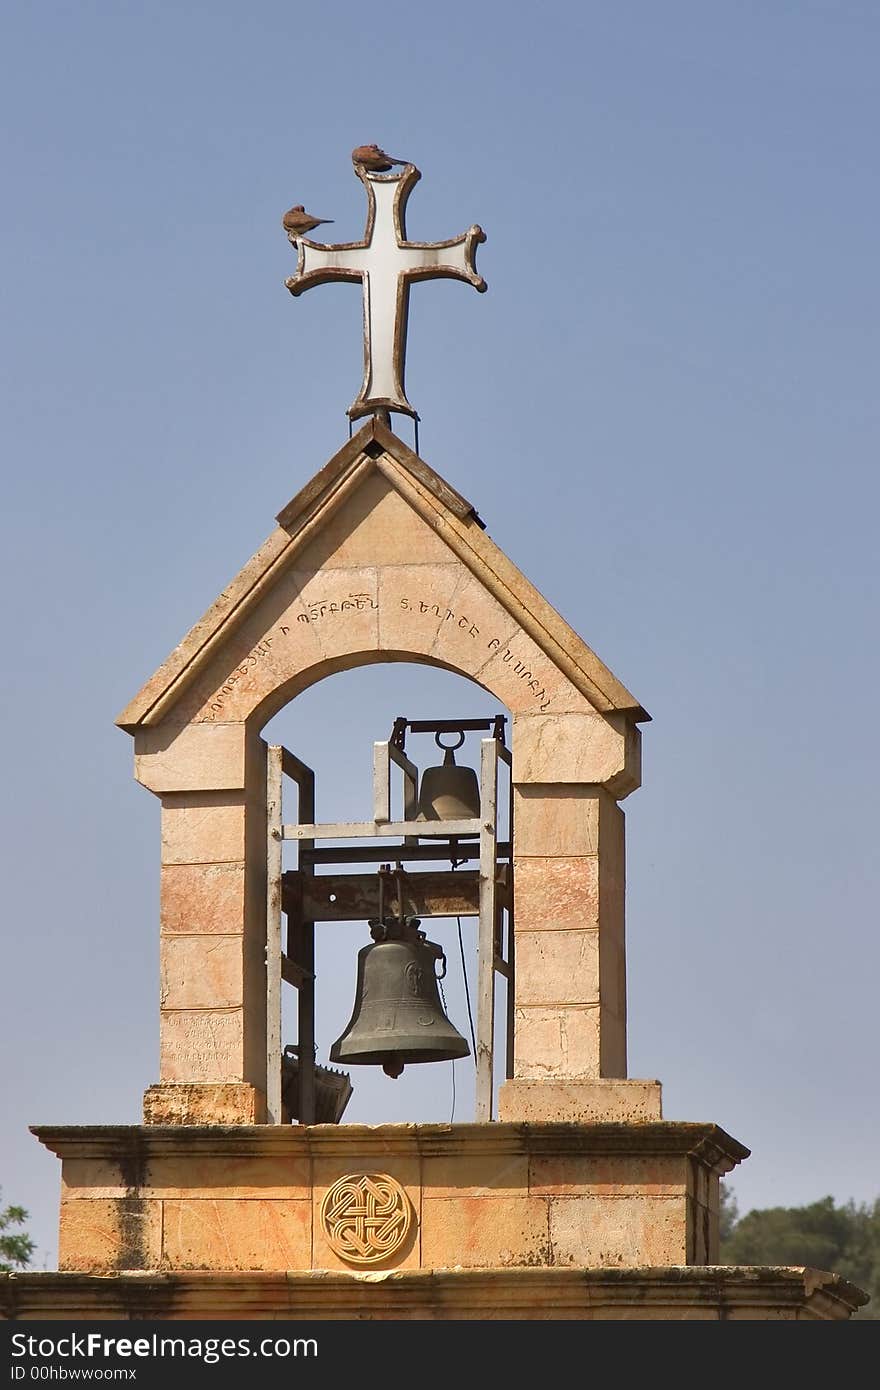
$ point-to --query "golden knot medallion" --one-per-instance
(366, 1217)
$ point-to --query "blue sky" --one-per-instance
(665, 409)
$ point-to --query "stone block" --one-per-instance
(201, 972)
(93, 1177)
(201, 1046)
(414, 601)
(203, 827)
(468, 639)
(556, 1042)
(556, 894)
(199, 757)
(630, 1231)
(227, 1233)
(373, 525)
(607, 1175)
(99, 1235)
(557, 967)
(577, 747)
(277, 639)
(282, 1178)
(197, 899)
(580, 1102)
(182, 1103)
(566, 819)
(475, 1174)
(527, 682)
(342, 612)
(481, 1232)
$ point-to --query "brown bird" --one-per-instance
(297, 222)
(372, 158)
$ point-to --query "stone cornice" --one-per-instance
(708, 1142)
(667, 1293)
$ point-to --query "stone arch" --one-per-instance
(378, 560)
(277, 700)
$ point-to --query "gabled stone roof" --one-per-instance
(375, 449)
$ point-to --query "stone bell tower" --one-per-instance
(571, 1197)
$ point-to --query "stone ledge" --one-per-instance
(708, 1142)
(672, 1293)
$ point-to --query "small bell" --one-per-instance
(397, 1016)
(449, 792)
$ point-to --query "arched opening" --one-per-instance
(332, 725)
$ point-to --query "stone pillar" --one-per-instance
(211, 781)
(569, 888)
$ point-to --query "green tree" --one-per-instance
(845, 1239)
(16, 1247)
(728, 1215)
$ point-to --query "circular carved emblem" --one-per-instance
(366, 1217)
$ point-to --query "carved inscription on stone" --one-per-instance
(340, 610)
(366, 1217)
(253, 658)
(355, 603)
(206, 1045)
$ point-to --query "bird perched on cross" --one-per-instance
(373, 159)
(297, 222)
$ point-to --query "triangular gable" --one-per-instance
(375, 449)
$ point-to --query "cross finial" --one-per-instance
(385, 263)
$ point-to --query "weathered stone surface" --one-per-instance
(373, 522)
(199, 757)
(200, 1046)
(578, 747)
(202, 898)
(579, 1102)
(478, 1174)
(103, 1234)
(517, 1293)
(414, 600)
(557, 967)
(569, 819)
(227, 1233)
(606, 1230)
(604, 1175)
(264, 1176)
(556, 894)
(203, 827)
(480, 1196)
(187, 1103)
(484, 1231)
(201, 972)
(557, 1042)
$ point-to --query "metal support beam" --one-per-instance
(273, 933)
(381, 854)
(384, 754)
(486, 936)
(354, 897)
(378, 830)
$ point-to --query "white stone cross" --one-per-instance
(386, 263)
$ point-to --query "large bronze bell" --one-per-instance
(449, 792)
(397, 1016)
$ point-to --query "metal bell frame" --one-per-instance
(305, 897)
